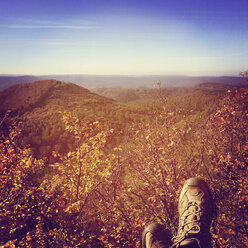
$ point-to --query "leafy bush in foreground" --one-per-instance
(98, 197)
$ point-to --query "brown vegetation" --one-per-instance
(101, 195)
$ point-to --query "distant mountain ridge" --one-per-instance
(90, 82)
(126, 95)
(95, 81)
(7, 81)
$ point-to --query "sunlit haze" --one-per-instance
(131, 37)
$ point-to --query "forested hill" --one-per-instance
(40, 93)
(39, 106)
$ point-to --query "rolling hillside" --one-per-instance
(39, 106)
(132, 95)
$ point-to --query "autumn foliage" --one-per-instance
(101, 196)
(228, 152)
(25, 209)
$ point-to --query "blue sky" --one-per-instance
(128, 37)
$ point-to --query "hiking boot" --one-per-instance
(195, 209)
(156, 236)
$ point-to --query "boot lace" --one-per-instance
(190, 219)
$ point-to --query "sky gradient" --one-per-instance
(128, 37)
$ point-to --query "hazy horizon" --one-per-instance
(124, 38)
(119, 75)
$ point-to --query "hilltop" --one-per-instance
(41, 93)
(7, 81)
